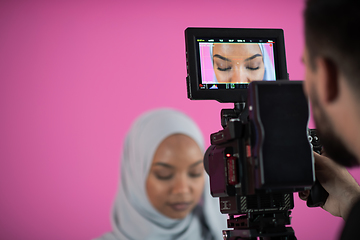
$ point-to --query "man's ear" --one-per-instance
(328, 74)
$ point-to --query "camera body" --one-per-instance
(256, 162)
(263, 153)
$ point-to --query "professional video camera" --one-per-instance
(264, 152)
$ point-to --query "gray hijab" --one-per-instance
(133, 216)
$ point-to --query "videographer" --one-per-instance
(332, 82)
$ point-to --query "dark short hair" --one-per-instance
(332, 30)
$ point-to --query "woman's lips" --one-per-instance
(180, 206)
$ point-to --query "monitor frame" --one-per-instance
(194, 78)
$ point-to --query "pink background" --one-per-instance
(75, 74)
(207, 68)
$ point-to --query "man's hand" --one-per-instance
(343, 190)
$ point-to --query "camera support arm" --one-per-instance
(239, 111)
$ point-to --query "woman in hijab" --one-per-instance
(164, 192)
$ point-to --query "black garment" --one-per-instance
(352, 225)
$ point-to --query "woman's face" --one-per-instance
(238, 63)
(176, 178)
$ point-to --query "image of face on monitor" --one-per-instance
(237, 62)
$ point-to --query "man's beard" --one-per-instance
(332, 144)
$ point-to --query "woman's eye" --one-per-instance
(163, 177)
(196, 174)
(224, 69)
(252, 68)
(253, 65)
(222, 65)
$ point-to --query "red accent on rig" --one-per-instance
(232, 170)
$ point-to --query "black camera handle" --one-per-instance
(318, 195)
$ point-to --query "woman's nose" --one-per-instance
(181, 186)
(239, 75)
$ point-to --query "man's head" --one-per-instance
(332, 81)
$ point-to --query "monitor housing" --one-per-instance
(202, 83)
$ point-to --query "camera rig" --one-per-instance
(264, 152)
(259, 159)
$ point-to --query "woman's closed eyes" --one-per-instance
(161, 175)
(225, 64)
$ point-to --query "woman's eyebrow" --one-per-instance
(221, 57)
(197, 163)
(253, 56)
(164, 165)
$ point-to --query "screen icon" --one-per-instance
(214, 87)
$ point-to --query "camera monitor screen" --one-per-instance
(221, 62)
